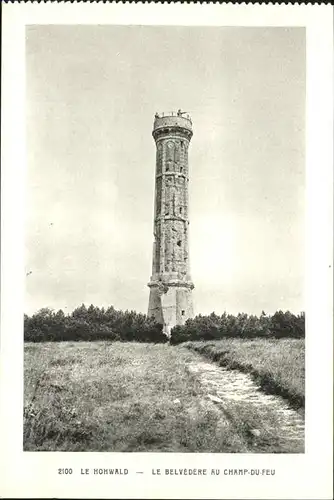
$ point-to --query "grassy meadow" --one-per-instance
(278, 366)
(131, 397)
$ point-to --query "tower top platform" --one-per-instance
(172, 119)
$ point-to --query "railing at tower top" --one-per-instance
(180, 114)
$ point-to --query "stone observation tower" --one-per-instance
(170, 285)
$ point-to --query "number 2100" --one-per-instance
(65, 471)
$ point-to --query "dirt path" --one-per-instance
(225, 387)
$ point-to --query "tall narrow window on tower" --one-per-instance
(170, 301)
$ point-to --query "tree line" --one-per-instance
(91, 323)
(281, 324)
(94, 323)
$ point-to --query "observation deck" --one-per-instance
(165, 121)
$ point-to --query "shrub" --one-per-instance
(91, 324)
(213, 327)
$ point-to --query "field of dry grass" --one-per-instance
(130, 397)
(277, 365)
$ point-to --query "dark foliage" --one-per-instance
(91, 323)
(213, 327)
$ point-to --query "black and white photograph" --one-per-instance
(192, 139)
(164, 243)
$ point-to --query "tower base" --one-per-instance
(170, 305)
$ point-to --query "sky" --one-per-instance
(91, 95)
